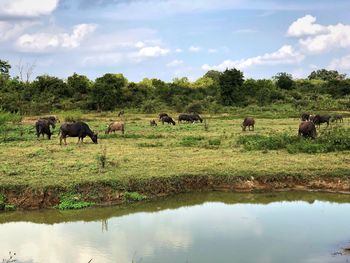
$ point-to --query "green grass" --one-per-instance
(166, 151)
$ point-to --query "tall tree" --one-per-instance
(107, 91)
(328, 75)
(4, 67)
(231, 81)
(284, 81)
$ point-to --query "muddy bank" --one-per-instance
(111, 193)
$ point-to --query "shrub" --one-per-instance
(72, 116)
(195, 107)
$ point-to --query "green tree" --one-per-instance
(107, 91)
(78, 84)
(4, 68)
(231, 81)
(324, 74)
(284, 81)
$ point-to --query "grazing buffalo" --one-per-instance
(319, 119)
(42, 127)
(153, 123)
(248, 122)
(305, 116)
(307, 129)
(115, 126)
(76, 129)
(189, 118)
(167, 119)
(337, 117)
(161, 115)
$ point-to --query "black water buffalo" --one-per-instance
(42, 127)
(337, 117)
(189, 118)
(319, 119)
(161, 115)
(248, 122)
(76, 129)
(305, 116)
(167, 119)
(307, 129)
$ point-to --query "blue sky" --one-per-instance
(175, 38)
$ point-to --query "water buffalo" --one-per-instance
(167, 119)
(153, 123)
(337, 117)
(305, 116)
(76, 129)
(248, 122)
(189, 118)
(42, 127)
(115, 126)
(53, 119)
(185, 117)
(319, 119)
(307, 129)
(161, 115)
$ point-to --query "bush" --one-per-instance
(72, 116)
(72, 201)
(9, 117)
(195, 107)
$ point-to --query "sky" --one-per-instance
(175, 38)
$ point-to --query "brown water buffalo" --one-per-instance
(307, 129)
(305, 116)
(337, 117)
(167, 119)
(115, 126)
(42, 127)
(319, 119)
(248, 122)
(76, 129)
(153, 123)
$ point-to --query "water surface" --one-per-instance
(201, 227)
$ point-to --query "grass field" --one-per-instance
(164, 151)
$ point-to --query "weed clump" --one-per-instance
(134, 196)
(72, 116)
(72, 201)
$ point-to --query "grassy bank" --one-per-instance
(164, 152)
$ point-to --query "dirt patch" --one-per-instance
(104, 194)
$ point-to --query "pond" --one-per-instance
(199, 228)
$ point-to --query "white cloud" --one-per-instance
(178, 50)
(212, 50)
(27, 8)
(285, 55)
(342, 63)
(154, 51)
(175, 63)
(338, 36)
(305, 26)
(41, 42)
(316, 38)
(194, 49)
(10, 30)
(140, 44)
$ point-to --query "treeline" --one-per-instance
(323, 89)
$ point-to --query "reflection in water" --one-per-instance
(203, 227)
